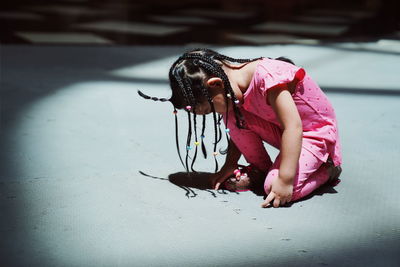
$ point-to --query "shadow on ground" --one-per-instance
(201, 181)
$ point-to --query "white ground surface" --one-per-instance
(74, 136)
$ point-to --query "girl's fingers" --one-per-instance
(268, 200)
(216, 178)
(216, 187)
(215, 183)
(220, 180)
(276, 202)
(223, 177)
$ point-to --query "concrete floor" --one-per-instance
(74, 136)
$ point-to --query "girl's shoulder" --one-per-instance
(271, 72)
(277, 67)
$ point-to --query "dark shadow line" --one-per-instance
(365, 50)
(329, 44)
(151, 176)
(211, 192)
(185, 188)
(372, 91)
(195, 180)
(188, 191)
(116, 78)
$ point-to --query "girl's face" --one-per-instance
(219, 100)
(217, 94)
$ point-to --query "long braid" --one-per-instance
(177, 137)
(181, 84)
(206, 94)
(196, 142)
(193, 103)
(216, 137)
(238, 60)
(188, 147)
(226, 130)
(185, 89)
(219, 129)
(219, 56)
(152, 97)
(234, 101)
(203, 128)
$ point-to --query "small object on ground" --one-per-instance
(245, 178)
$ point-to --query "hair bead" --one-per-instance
(227, 130)
(188, 108)
(237, 101)
(188, 147)
(215, 153)
(196, 143)
(237, 172)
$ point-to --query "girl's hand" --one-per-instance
(219, 177)
(280, 193)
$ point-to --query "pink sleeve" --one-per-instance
(279, 73)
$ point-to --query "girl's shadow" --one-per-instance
(201, 181)
(189, 180)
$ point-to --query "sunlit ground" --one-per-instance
(75, 134)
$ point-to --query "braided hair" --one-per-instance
(188, 76)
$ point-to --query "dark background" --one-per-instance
(364, 20)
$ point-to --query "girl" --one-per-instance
(260, 99)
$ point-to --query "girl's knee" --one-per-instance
(309, 185)
(272, 174)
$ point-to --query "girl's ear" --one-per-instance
(215, 83)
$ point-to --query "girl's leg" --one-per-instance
(252, 149)
(311, 174)
(250, 141)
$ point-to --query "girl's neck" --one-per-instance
(240, 76)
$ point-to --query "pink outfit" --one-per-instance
(320, 132)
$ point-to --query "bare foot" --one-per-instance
(239, 184)
(334, 173)
(250, 178)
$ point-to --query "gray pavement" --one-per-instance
(74, 136)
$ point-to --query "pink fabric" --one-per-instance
(320, 131)
(311, 174)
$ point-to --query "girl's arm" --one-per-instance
(230, 165)
(282, 103)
